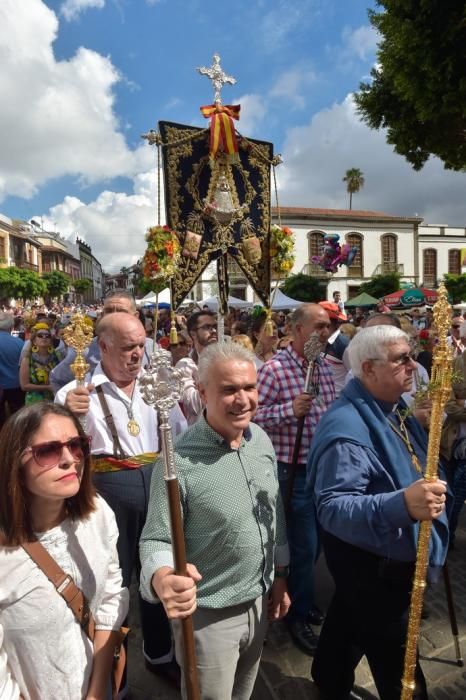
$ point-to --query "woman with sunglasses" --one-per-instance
(46, 495)
(37, 364)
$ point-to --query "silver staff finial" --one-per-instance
(218, 77)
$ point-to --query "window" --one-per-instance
(430, 267)
(454, 262)
(316, 243)
(389, 253)
(356, 268)
(2, 249)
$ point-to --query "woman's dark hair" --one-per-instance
(258, 322)
(15, 436)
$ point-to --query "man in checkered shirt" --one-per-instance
(282, 401)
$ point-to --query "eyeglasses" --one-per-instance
(403, 359)
(207, 327)
(43, 335)
(49, 454)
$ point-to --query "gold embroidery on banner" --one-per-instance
(178, 147)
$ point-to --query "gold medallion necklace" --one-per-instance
(133, 426)
(403, 434)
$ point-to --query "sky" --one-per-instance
(81, 80)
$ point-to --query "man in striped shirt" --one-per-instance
(282, 401)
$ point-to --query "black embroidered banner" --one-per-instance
(218, 208)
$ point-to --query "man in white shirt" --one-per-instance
(113, 390)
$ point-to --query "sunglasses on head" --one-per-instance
(49, 454)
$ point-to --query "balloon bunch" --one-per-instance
(333, 254)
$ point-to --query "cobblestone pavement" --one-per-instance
(284, 670)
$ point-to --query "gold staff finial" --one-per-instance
(78, 335)
(440, 387)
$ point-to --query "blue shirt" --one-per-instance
(10, 350)
(359, 469)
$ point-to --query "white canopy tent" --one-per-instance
(212, 303)
(151, 298)
(281, 301)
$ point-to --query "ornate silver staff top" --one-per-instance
(218, 77)
(161, 387)
(312, 349)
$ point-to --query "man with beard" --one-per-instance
(202, 329)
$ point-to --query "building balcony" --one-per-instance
(387, 267)
(315, 271)
(25, 265)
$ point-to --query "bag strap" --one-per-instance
(117, 449)
(64, 585)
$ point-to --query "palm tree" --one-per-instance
(354, 179)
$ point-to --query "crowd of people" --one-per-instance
(279, 457)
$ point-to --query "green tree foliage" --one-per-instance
(381, 285)
(456, 287)
(20, 284)
(354, 179)
(57, 283)
(82, 285)
(144, 285)
(418, 89)
(304, 288)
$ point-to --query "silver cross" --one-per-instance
(218, 77)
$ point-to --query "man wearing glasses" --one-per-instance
(455, 340)
(366, 468)
(202, 329)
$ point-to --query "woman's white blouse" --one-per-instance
(48, 654)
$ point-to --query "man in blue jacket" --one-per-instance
(11, 393)
(366, 468)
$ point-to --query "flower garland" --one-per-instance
(281, 250)
(162, 253)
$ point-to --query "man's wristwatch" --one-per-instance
(282, 571)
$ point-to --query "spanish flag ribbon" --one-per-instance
(222, 129)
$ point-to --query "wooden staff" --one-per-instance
(440, 393)
(312, 349)
(161, 386)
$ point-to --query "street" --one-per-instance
(284, 670)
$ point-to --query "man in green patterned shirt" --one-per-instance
(234, 530)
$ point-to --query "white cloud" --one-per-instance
(361, 42)
(114, 224)
(71, 9)
(291, 84)
(253, 111)
(316, 157)
(57, 117)
(279, 23)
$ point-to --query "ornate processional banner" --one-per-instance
(219, 206)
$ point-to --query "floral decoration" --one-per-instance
(281, 250)
(162, 253)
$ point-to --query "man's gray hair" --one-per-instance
(6, 321)
(301, 313)
(222, 352)
(372, 344)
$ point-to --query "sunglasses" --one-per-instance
(456, 328)
(49, 454)
(405, 359)
(43, 335)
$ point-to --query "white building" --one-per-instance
(420, 253)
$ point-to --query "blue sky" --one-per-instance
(82, 79)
